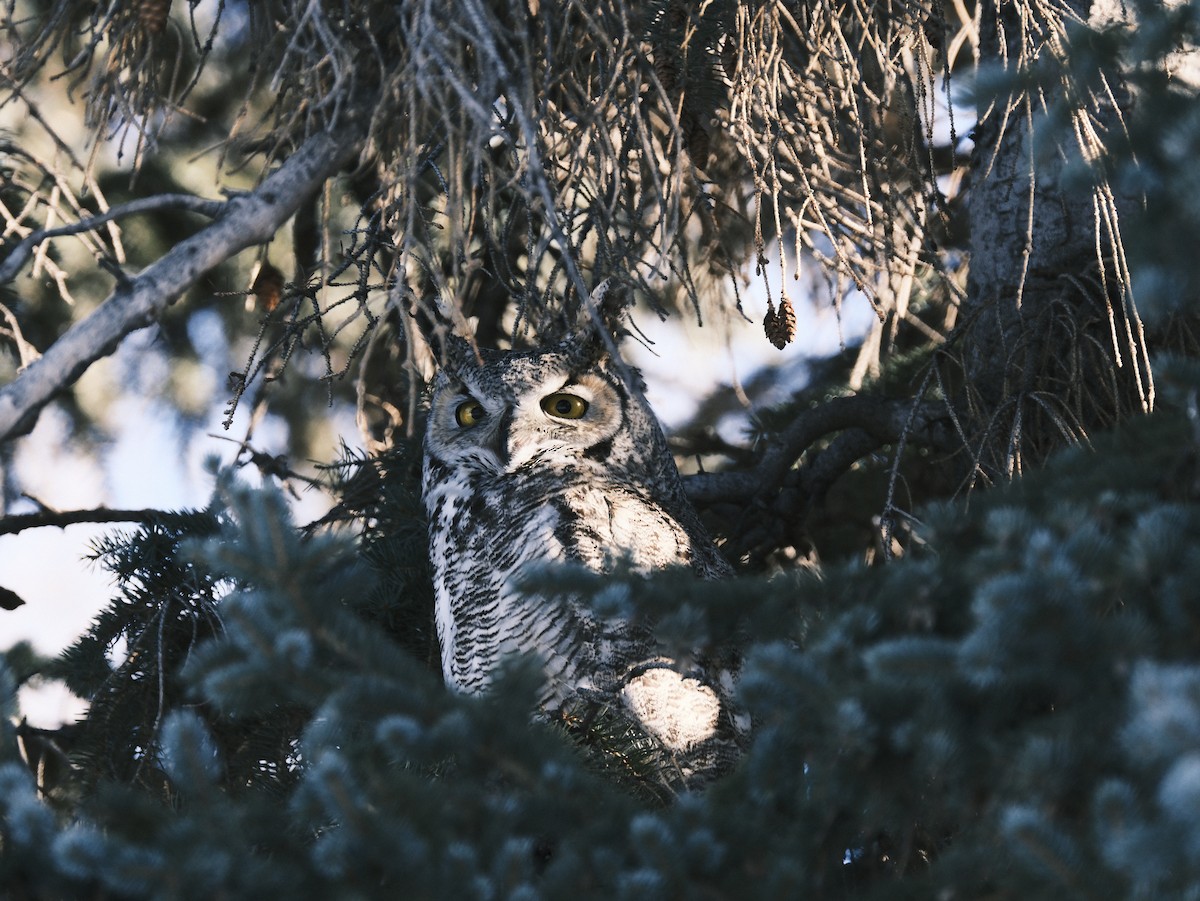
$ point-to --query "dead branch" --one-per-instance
(244, 220)
(876, 420)
(11, 525)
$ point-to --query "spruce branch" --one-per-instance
(272, 466)
(243, 221)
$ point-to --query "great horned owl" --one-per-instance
(546, 456)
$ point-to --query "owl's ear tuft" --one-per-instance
(602, 318)
(457, 353)
(607, 307)
(438, 325)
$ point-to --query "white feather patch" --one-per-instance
(679, 711)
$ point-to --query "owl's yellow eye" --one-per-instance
(564, 406)
(470, 412)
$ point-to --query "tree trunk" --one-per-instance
(1037, 284)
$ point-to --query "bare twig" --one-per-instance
(20, 254)
(273, 466)
(244, 221)
(26, 352)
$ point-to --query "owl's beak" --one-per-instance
(500, 439)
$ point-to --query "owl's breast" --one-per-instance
(489, 533)
(484, 539)
(578, 515)
(599, 524)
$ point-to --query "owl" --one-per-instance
(552, 456)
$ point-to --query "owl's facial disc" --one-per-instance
(560, 420)
(557, 419)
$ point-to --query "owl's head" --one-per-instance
(568, 406)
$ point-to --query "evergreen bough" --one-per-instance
(1011, 711)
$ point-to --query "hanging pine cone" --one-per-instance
(268, 287)
(153, 15)
(780, 327)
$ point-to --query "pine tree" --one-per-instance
(1009, 708)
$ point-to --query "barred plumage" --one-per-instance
(550, 456)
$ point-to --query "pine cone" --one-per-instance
(153, 15)
(780, 327)
(268, 287)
